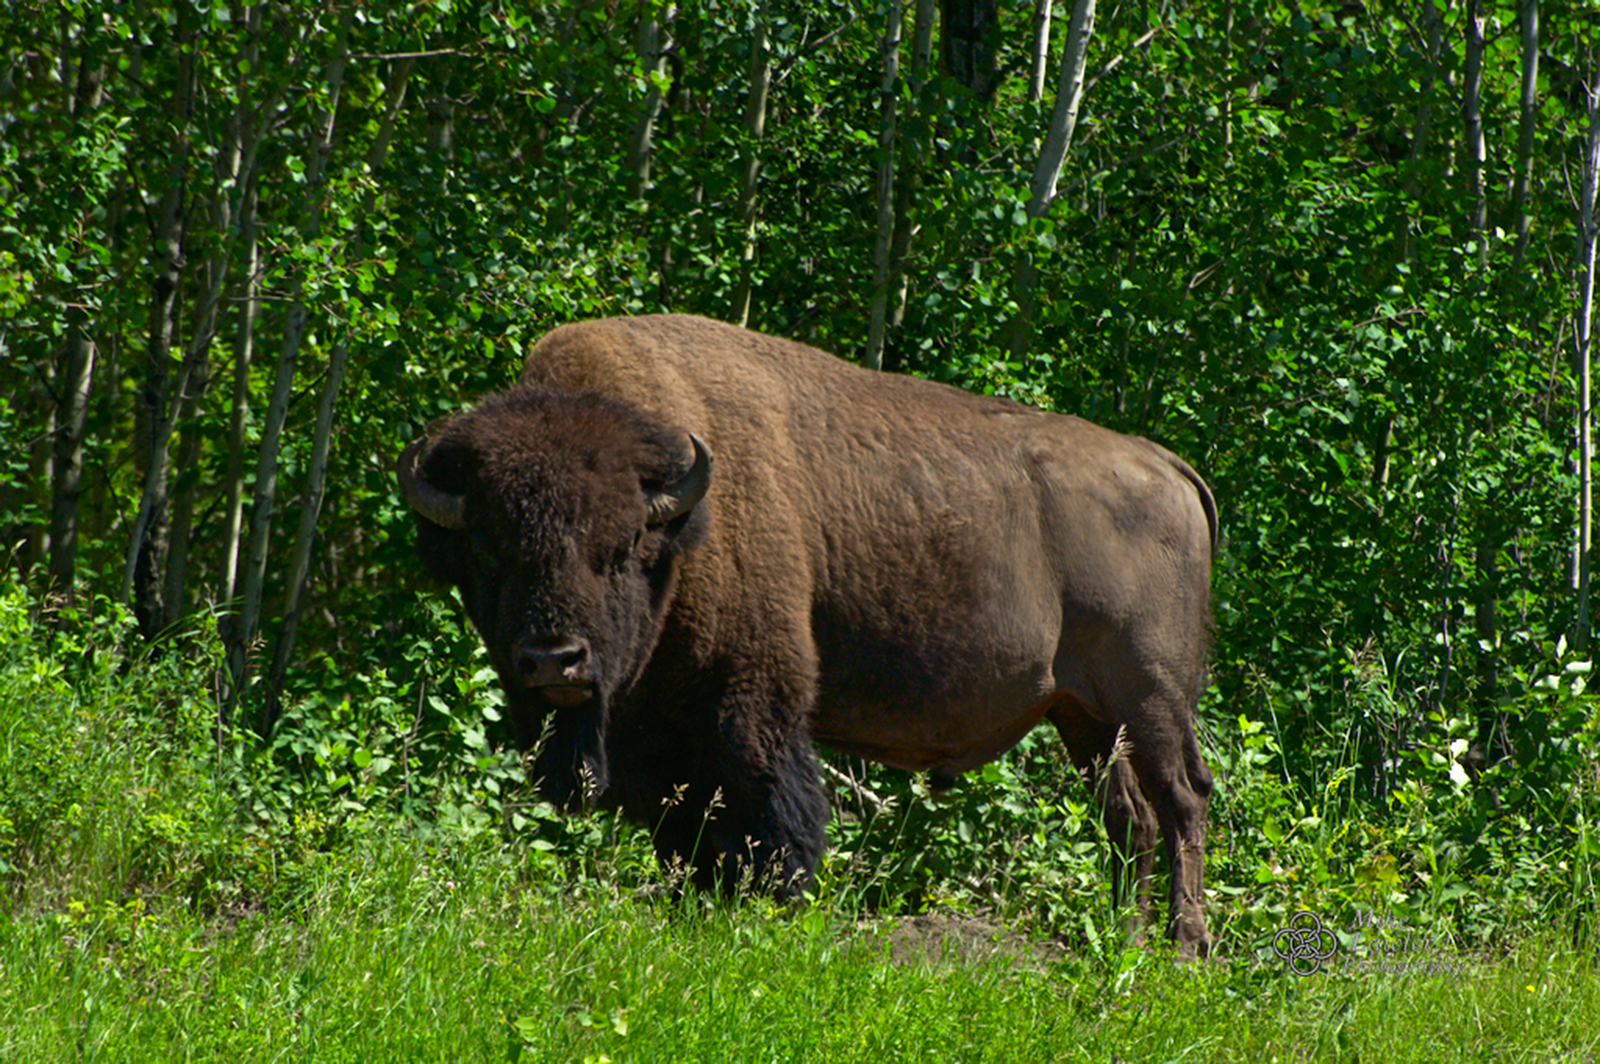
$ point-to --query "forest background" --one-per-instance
(1330, 253)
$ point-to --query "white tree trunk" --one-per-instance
(142, 574)
(1041, 49)
(1064, 118)
(910, 174)
(243, 630)
(1227, 67)
(1584, 428)
(885, 235)
(243, 351)
(1047, 171)
(305, 536)
(215, 269)
(1422, 128)
(1473, 149)
(250, 131)
(655, 40)
(1527, 120)
(755, 120)
(67, 463)
(317, 470)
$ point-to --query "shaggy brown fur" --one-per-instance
(895, 567)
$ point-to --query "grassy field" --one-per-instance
(171, 891)
(396, 951)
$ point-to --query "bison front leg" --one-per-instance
(750, 818)
(770, 831)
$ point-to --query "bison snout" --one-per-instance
(561, 661)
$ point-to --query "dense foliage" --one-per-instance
(266, 244)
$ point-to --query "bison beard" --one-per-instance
(900, 569)
(570, 760)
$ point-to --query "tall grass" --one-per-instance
(398, 952)
(173, 891)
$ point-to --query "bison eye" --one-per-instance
(626, 553)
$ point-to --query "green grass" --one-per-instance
(168, 896)
(397, 951)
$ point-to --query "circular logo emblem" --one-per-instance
(1305, 943)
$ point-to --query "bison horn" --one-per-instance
(677, 499)
(442, 508)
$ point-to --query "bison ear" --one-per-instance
(671, 501)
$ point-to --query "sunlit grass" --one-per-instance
(400, 951)
(165, 898)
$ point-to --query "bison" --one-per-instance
(691, 550)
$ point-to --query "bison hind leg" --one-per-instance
(1182, 788)
(1129, 818)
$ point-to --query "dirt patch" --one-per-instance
(959, 938)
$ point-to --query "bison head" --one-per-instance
(561, 518)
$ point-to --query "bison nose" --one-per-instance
(554, 662)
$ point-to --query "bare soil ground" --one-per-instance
(962, 938)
